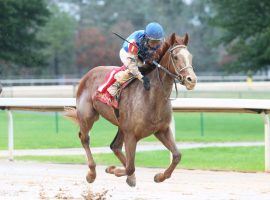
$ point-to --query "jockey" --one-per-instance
(140, 49)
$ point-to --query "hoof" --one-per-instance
(159, 177)
(131, 180)
(110, 169)
(90, 177)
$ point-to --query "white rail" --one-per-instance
(64, 81)
(179, 105)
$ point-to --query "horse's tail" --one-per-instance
(71, 113)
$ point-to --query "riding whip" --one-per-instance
(125, 39)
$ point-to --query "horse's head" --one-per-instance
(178, 60)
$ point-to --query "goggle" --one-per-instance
(154, 46)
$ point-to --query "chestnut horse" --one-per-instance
(141, 112)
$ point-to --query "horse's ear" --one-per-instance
(186, 39)
(172, 39)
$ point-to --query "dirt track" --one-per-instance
(26, 180)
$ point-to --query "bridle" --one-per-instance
(178, 71)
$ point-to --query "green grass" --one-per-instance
(217, 127)
(38, 130)
(247, 159)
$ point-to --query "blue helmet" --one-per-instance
(154, 31)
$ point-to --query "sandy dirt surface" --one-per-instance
(30, 180)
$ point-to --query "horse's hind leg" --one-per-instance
(167, 139)
(116, 147)
(130, 148)
(87, 116)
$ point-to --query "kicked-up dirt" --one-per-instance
(31, 180)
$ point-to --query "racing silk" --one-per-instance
(139, 39)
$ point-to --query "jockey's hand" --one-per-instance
(156, 55)
(145, 68)
(153, 58)
(146, 83)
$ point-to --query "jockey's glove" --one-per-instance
(146, 83)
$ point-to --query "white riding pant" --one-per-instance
(132, 63)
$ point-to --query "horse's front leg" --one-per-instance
(166, 137)
(130, 148)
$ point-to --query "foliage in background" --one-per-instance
(19, 23)
(246, 32)
(174, 15)
(93, 22)
(59, 34)
(206, 55)
(94, 48)
(79, 33)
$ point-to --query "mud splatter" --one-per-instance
(95, 196)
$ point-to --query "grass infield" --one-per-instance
(38, 130)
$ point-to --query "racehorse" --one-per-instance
(141, 112)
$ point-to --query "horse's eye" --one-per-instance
(175, 57)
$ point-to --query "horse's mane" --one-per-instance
(171, 40)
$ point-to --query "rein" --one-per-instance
(170, 74)
(166, 71)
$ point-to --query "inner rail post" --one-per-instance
(172, 126)
(10, 136)
(266, 141)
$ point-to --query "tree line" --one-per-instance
(57, 37)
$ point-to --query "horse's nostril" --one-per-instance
(189, 79)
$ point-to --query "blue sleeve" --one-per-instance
(136, 36)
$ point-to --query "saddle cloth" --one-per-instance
(102, 94)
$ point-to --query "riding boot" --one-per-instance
(113, 89)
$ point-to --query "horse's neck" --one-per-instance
(161, 78)
(162, 84)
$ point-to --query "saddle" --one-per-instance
(104, 96)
